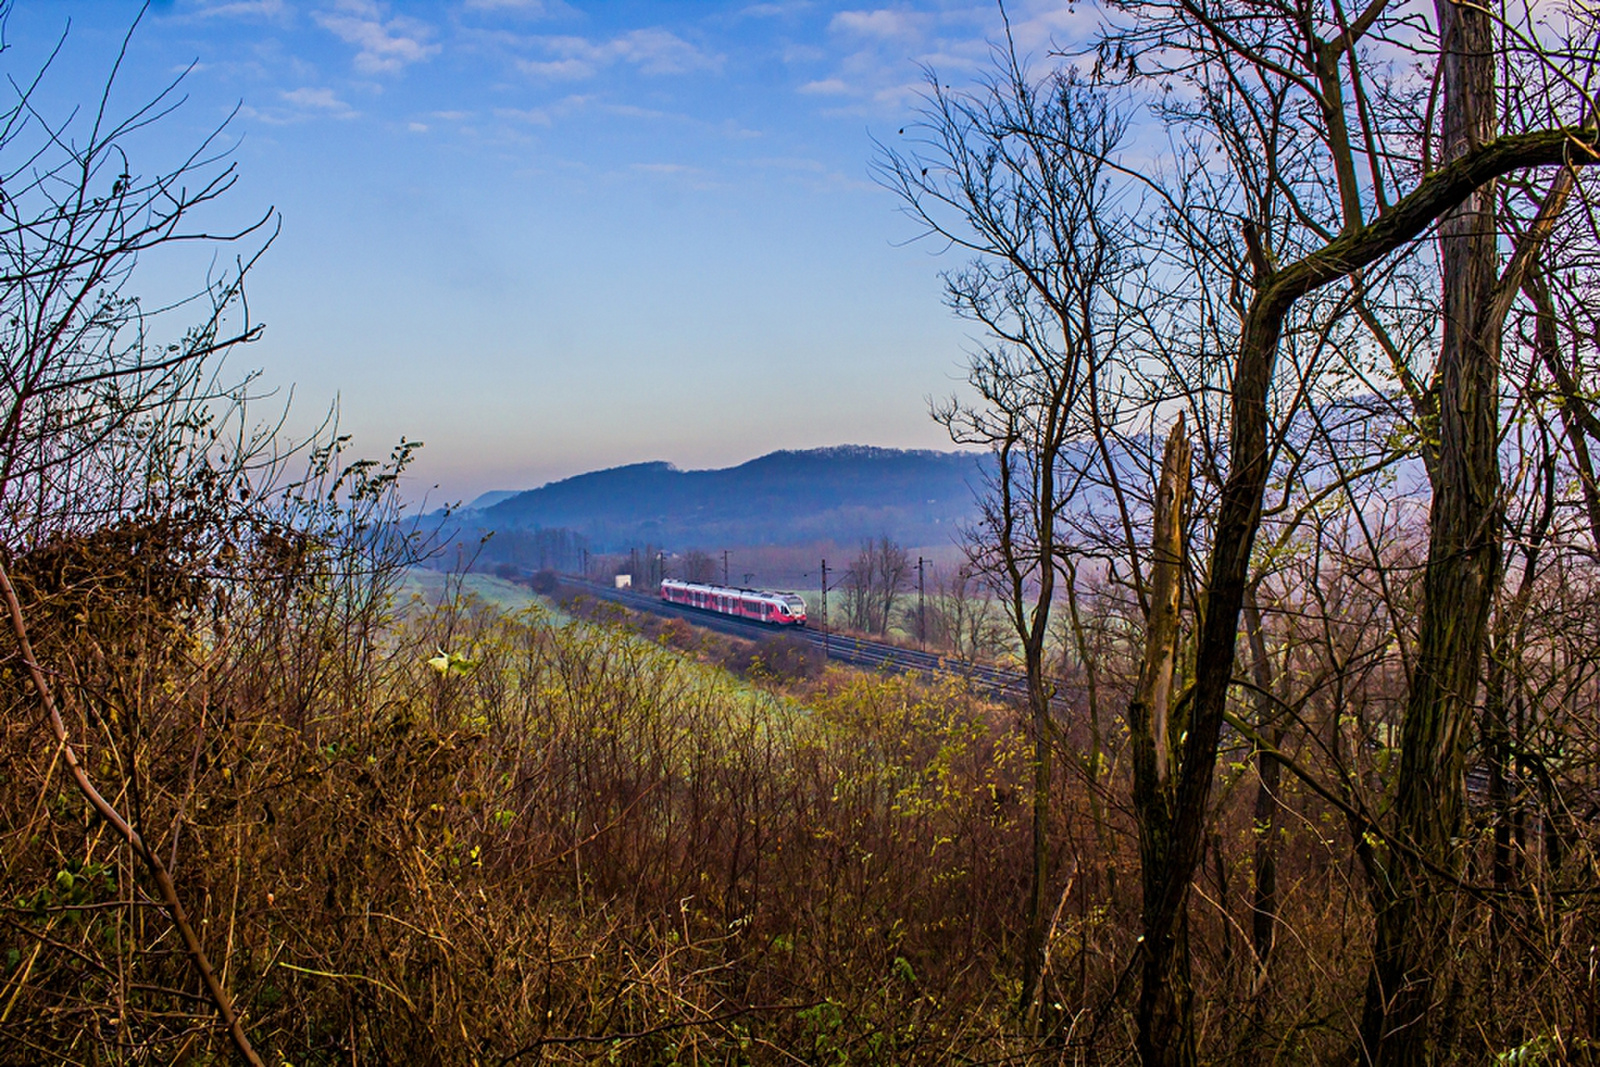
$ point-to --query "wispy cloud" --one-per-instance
(767, 11)
(550, 113)
(874, 75)
(884, 23)
(322, 99)
(534, 116)
(651, 51)
(384, 44)
(826, 87)
(557, 69)
(681, 175)
(809, 173)
(527, 8)
(592, 106)
(302, 105)
(268, 9)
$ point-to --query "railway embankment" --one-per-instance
(849, 649)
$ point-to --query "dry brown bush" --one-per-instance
(570, 844)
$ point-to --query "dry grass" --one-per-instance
(589, 842)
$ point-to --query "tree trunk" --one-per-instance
(1043, 769)
(1460, 579)
(1165, 1010)
(1269, 772)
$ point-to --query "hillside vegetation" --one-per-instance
(570, 842)
(1308, 765)
(783, 498)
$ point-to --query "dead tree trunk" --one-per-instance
(1166, 1034)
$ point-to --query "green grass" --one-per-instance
(434, 586)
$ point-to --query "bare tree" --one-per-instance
(697, 566)
(1312, 214)
(82, 357)
(880, 573)
(107, 426)
(961, 616)
(1016, 174)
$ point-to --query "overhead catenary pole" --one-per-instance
(824, 609)
(724, 566)
(922, 613)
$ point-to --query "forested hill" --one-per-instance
(843, 494)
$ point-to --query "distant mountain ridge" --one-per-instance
(844, 493)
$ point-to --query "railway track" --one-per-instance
(866, 653)
(855, 651)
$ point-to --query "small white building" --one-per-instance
(624, 581)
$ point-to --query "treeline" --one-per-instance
(512, 552)
(1292, 431)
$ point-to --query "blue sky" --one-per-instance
(546, 237)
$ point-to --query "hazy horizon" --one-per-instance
(546, 238)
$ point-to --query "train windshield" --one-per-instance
(795, 603)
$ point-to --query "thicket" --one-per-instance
(569, 843)
(1309, 767)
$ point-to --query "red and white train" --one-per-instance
(775, 609)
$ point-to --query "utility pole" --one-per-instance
(922, 610)
(661, 567)
(825, 637)
(724, 566)
(585, 563)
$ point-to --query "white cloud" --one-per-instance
(652, 51)
(883, 23)
(557, 70)
(634, 111)
(270, 9)
(536, 9)
(547, 115)
(769, 10)
(384, 44)
(905, 95)
(302, 105)
(656, 51)
(324, 99)
(826, 87)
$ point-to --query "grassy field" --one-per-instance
(434, 587)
